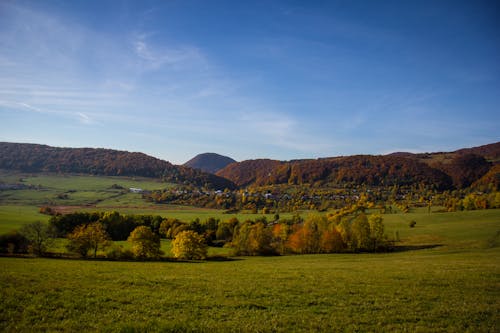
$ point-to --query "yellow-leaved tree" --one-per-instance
(189, 245)
(88, 238)
(145, 243)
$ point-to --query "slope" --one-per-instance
(98, 161)
(209, 162)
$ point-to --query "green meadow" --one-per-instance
(417, 291)
(443, 277)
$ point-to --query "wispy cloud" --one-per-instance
(174, 57)
(83, 118)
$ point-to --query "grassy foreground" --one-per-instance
(419, 291)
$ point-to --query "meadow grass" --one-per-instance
(80, 182)
(418, 291)
(74, 190)
(456, 229)
(13, 217)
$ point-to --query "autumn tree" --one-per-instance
(189, 245)
(145, 243)
(170, 227)
(360, 233)
(39, 235)
(252, 238)
(280, 233)
(88, 238)
(376, 231)
(306, 237)
(259, 240)
(225, 229)
(331, 241)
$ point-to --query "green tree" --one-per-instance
(90, 237)
(360, 232)
(145, 243)
(189, 245)
(170, 227)
(241, 238)
(39, 235)
(259, 240)
(376, 230)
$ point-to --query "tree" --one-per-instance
(170, 227)
(360, 230)
(90, 237)
(259, 240)
(189, 245)
(331, 241)
(306, 238)
(145, 243)
(376, 230)
(241, 238)
(39, 235)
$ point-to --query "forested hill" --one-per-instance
(99, 161)
(351, 170)
(444, 170)
(209, 162)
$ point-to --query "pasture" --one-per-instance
(418, 291)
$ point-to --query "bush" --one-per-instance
(117, 252)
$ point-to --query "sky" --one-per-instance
(251, 79)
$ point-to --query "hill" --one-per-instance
(209, 162)
(361, 169)
(98, 161)
(457, 169)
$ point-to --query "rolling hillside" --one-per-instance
(98, 161)
(457, 169)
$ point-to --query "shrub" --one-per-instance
(118, 252)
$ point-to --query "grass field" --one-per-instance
(454, 287)
(419, 291)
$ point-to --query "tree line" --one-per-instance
(90, 233)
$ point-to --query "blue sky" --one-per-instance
(251, 79)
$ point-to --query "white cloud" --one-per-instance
(83, 118)
(174, 57)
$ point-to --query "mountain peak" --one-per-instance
(209, 162)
